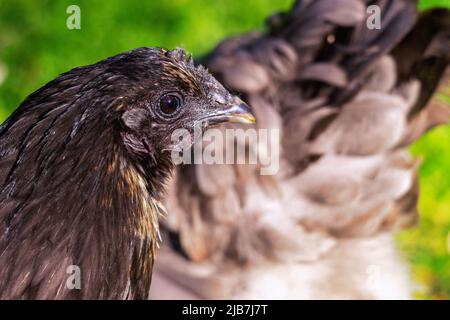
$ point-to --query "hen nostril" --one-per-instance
(219, 99)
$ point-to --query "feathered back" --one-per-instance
(347, 101)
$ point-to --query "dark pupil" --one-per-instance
(169, 104)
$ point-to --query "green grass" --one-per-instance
(36, 46)
(428, 245)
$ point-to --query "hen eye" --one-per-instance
(169, 104)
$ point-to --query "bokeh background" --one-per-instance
(36, 46)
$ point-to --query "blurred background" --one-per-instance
(36, 46)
